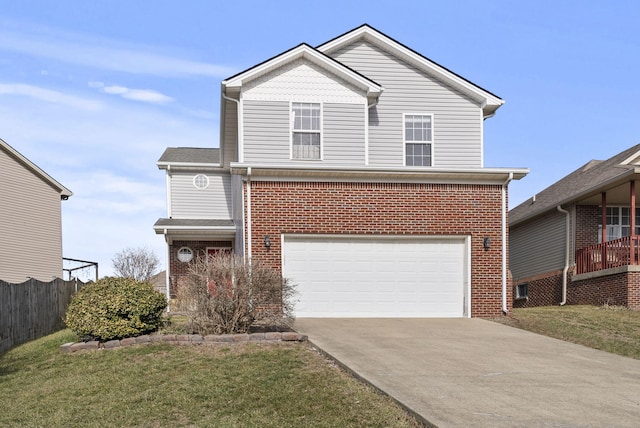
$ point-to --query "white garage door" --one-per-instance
(377, 277)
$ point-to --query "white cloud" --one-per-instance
(48, 95)
(102, 53)
(144, 95)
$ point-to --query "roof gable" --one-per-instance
(35, 169)
(489, 101)
(307, 53)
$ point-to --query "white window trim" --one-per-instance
(291, 130)
(432, 142)
(618, 226)
(180, 250)
(201, 175)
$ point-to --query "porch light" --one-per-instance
(267, 241)
(486, 243)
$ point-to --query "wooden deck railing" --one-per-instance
(610, 254)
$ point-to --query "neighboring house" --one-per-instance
(576, 242)
(30, 219)
(356, 168)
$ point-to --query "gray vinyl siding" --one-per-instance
(187, 201)
(267, 133)
(30, 225)
(343, 134)
(457, 118)
(538, 246)
(230, 138)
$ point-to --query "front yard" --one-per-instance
(608, 328)
(235, 385)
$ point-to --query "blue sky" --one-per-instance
(93, 92)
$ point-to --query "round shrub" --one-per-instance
(115, 308)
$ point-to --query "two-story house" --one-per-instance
(30, 219)
(356, 168)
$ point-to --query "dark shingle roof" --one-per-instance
(190, 155)
(574, 186)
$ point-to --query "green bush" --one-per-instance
(115, 308)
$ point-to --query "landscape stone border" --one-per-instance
(184, 339)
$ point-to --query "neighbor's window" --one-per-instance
(618, 223)
(305, 137)
(522, 291)
(418, 137)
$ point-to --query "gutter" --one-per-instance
(566, 256)
(505, 310)
(248, 241)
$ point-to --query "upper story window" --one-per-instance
(418, 138)
(306, 125)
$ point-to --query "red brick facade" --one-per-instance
(622, 289)
(386, 209)
(179, 270)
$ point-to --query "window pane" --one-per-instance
(418, 154)
(306, 145)
(417, 127)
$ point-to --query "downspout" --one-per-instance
(504, 243)
(566, 256)
(249, 215)
(167, 280)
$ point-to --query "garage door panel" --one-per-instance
(374, 277)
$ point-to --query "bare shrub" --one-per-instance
(223, 295)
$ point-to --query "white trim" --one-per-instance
(196, 185)
(468, 294)
(481, 140)
(309, 53)
(179, 250)
(426, 142)
(366, 133)
(292, 130)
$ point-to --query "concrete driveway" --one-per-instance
(476, 373)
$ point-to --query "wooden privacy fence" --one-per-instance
(33, 309)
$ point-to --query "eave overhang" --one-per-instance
(379, 174)
(35, 169)
(194, 229)
(626, 175)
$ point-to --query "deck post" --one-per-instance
(604, 231)
(632, 221)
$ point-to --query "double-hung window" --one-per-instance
(418, 139)
(618, 223)
(306, 126)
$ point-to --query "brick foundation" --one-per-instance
(620, 289)
(386, 209)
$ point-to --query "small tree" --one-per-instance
(223, 294)
(136, 263)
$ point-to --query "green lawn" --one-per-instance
(611, 329)
(235, 385)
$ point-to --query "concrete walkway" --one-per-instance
(476, 373)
